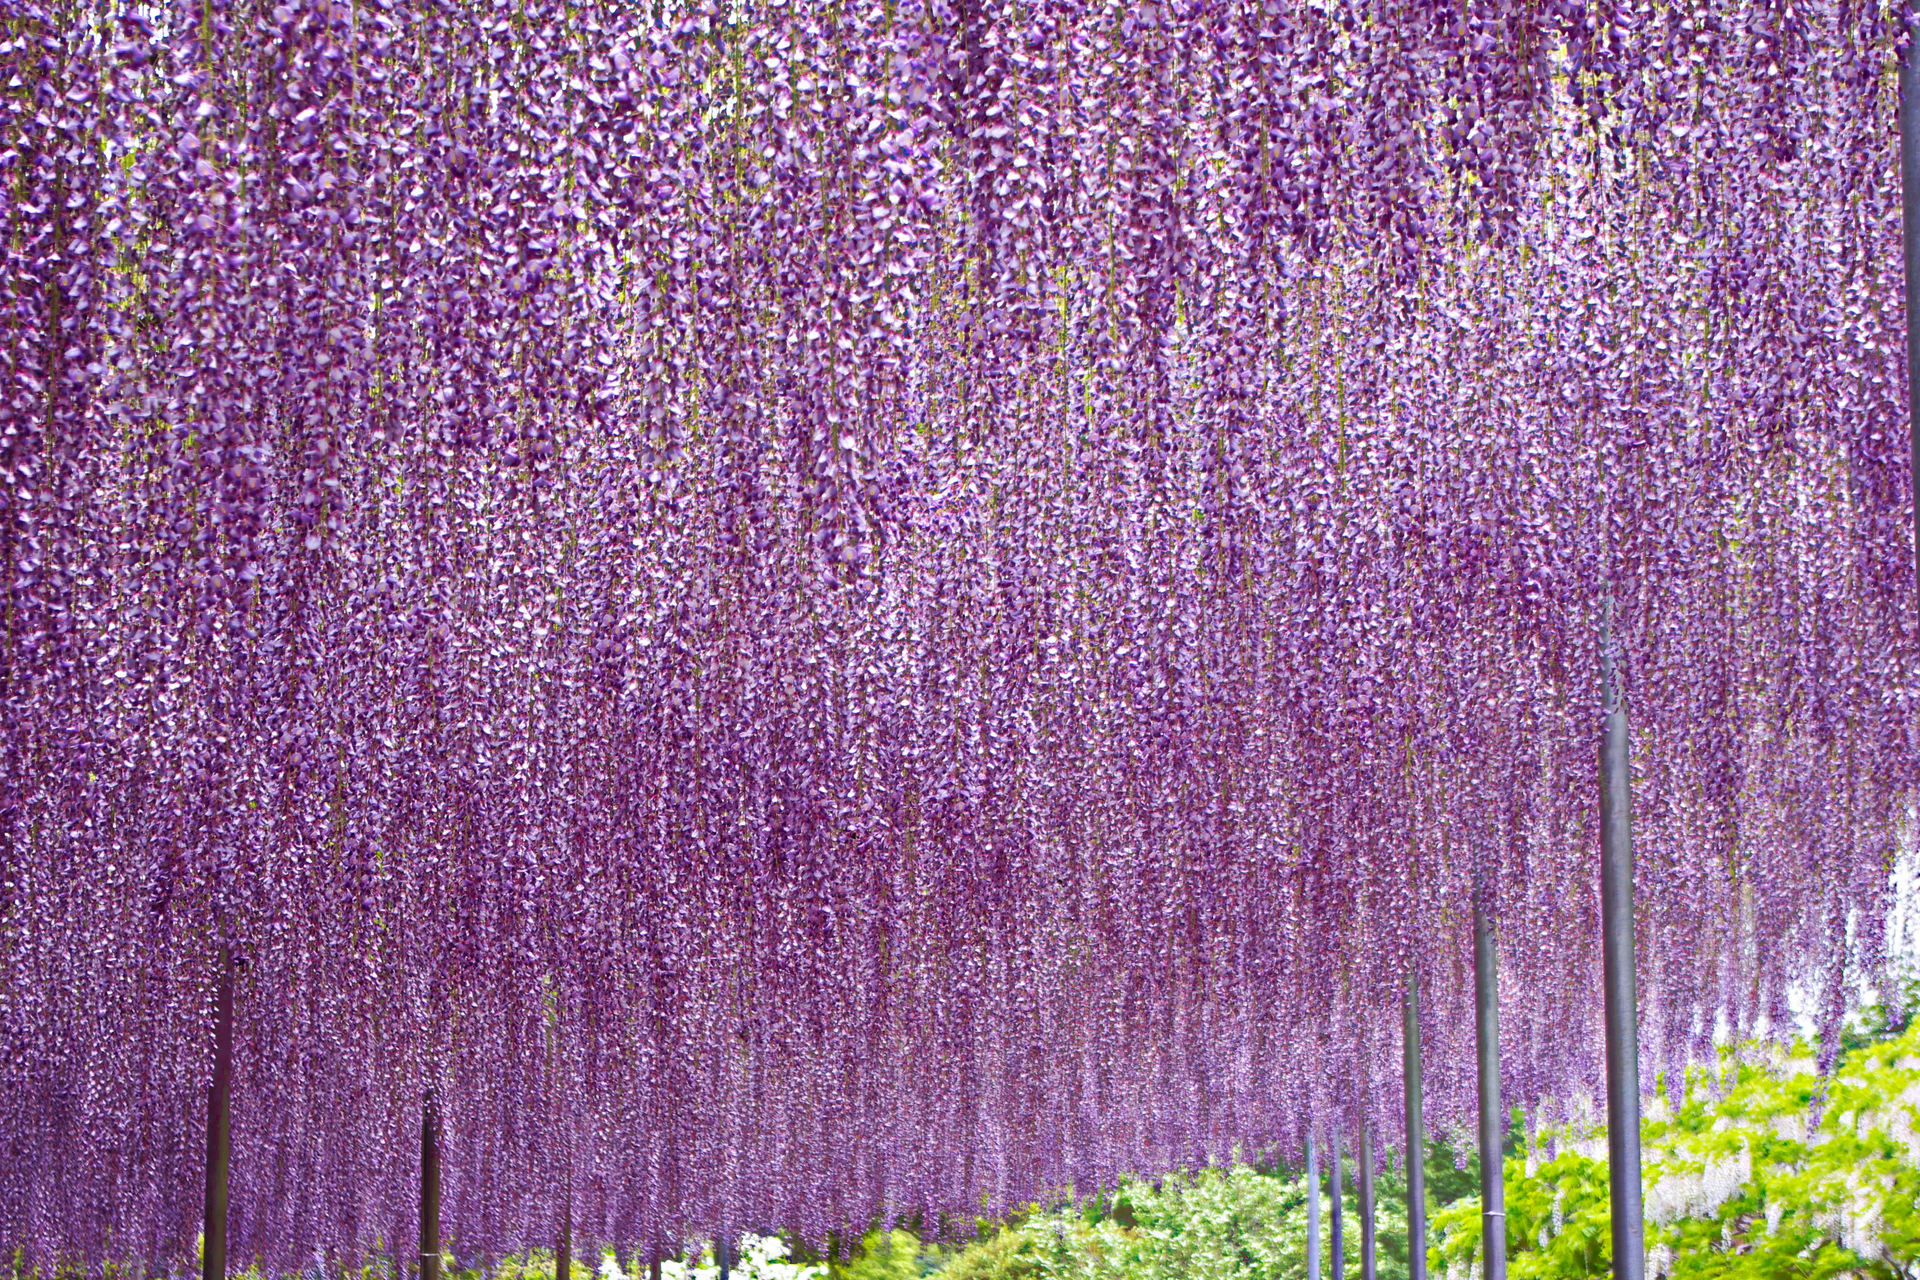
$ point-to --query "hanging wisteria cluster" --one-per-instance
(818, 610)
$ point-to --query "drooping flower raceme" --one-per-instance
(813, 612)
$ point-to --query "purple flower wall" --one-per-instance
(817, 610)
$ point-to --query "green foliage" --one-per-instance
(1557, 1223)
(1449, 1177)
(1216, 1224)
(888, 1255)
(1764, 1171)
(536, 1264)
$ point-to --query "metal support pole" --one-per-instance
(1336, 1253)
(720, 1248)
(563, 1251)
(1910, 242)
(1493, 1121)
(213, 1243)
(1367, 1267)
(430, 1188)
(1416, 1134)
(1313, 1207)
(1616, 923)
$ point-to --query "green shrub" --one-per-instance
(1214, 1224)
(1741, 1181)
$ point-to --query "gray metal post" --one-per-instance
(213, 1243)
(1616, 924)
(1493, 1120)
(1313, 1207)
(1910, 241)
(1367, 1267)
(1416, 1133)
(430, 1188)
(720, 1247)
(1336, 1251)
